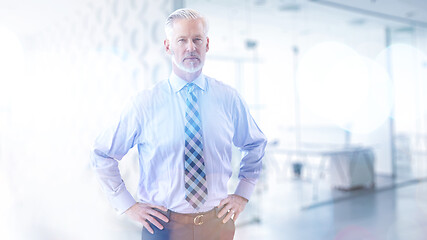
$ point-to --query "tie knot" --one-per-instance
(190, 87)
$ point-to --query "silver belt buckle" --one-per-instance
(198, 220)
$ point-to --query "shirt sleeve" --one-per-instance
(109, 148)
(251, 142)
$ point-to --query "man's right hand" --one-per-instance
(144, 212)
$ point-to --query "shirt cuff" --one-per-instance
(245, 188)
(122, 201)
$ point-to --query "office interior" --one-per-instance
(339, 87)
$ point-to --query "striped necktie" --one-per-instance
(195, 177)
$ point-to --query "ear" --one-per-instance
(207, 44)
(167, 46)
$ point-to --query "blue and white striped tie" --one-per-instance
(195, 177)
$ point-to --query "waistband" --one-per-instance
(193, 218)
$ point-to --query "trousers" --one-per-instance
(208, 229)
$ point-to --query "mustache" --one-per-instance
(192, 55)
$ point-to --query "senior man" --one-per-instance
(184, 128)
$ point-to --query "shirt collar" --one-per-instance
(178, 83)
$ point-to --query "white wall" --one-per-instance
(70, 83)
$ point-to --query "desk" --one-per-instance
(350, 167)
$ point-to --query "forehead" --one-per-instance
(188, 27)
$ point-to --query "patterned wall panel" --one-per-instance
(81, 70)
(129, 30)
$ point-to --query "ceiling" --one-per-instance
(26, 17)
(405, 11)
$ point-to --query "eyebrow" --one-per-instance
(197, 36)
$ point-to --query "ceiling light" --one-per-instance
(293, 7)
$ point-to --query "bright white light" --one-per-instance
(5, 207)
(11, 69)
(336, 83)
(406, 64)
(377, 105)
(11, 64)
(332, 80)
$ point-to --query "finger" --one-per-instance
(223, 211)
(147, 226)
(227, 217)
(158, 207)
(223, 202)
(155, 222)
(159, 215)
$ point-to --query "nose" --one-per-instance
(191, 46)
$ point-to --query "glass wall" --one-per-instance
(318, 77)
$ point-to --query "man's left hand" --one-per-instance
(232, 205)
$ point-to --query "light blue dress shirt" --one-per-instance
(154, 121)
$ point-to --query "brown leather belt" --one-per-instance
(196, 218)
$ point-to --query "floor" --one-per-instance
(286, 210)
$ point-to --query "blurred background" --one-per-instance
(338, 87)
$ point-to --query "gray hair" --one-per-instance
(184, 13)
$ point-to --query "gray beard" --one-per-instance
(186, 69)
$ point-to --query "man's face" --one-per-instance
(188, 45)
